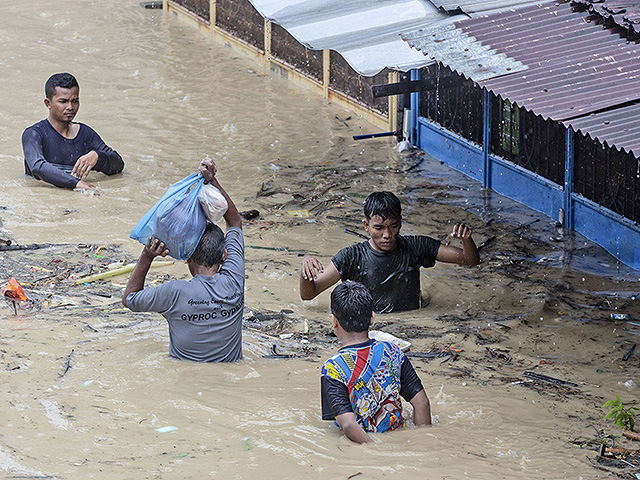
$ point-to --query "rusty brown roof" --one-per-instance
(571, 67)
(619, 127)
(625, 13)
(474, 7)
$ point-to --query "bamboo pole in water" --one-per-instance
(117, 271)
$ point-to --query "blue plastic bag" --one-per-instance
(177, 219)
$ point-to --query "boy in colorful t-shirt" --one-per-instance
(361, 385)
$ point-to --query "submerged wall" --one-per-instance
(238, 25)
(589, 187)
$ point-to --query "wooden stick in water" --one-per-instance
(117, 271)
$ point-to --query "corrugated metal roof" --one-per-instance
(574, 68)
(367, 32)
(625, 13)
(462, 52)
(615, 127)
(472, 7)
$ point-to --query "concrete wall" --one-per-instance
(335, 75)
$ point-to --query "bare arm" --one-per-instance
(209, 169)
(315, 279)
(154, 248)
(352, 428)
(421, 409)
(467, 255)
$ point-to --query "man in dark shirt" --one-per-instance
(388, 264)
(361, 385)
(63, 152)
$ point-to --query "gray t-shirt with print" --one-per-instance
(205, 313)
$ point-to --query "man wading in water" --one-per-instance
(205, 313)
(63, 152)
(388, 264)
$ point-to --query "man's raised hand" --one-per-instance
(208, 169)
(310, 268)
(460, 230)
(155, 248)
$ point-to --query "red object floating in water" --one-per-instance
(543, 362)
(14, 291)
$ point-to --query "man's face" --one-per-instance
(64, 104)
(384, 232)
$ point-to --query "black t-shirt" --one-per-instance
(393, 278)
(50, 157)
(335, 395)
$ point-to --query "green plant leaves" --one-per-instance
(623, 417)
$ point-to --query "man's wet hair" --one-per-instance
(352, 304)
(62, 80)
(384, 204)
(210, 248)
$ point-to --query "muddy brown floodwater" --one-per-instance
(88, 388)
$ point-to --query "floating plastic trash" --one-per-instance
(298, 213)
(387, 337)
(14, 291)
(168, 428)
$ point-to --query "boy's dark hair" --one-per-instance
(62, 80)
(352, 304)
(210, 248)
(383, 204)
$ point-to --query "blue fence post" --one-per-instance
(415, 104)
(486, 137)
(569, 165)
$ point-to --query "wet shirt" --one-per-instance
(50, 157)
(393, 278)
(368, 379)
(205, 313)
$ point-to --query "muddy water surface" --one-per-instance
(86, 384)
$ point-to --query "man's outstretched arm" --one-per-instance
(315, 279)
(154, 248)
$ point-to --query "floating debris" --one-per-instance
(627, 355)
(499, 353)
(274, 354)
(431, 354)
(357, 234)
(118, 271)
(537, 377)
(66, 365)
(387, 337)
(168, 428)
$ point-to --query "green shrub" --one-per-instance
(624, 417)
